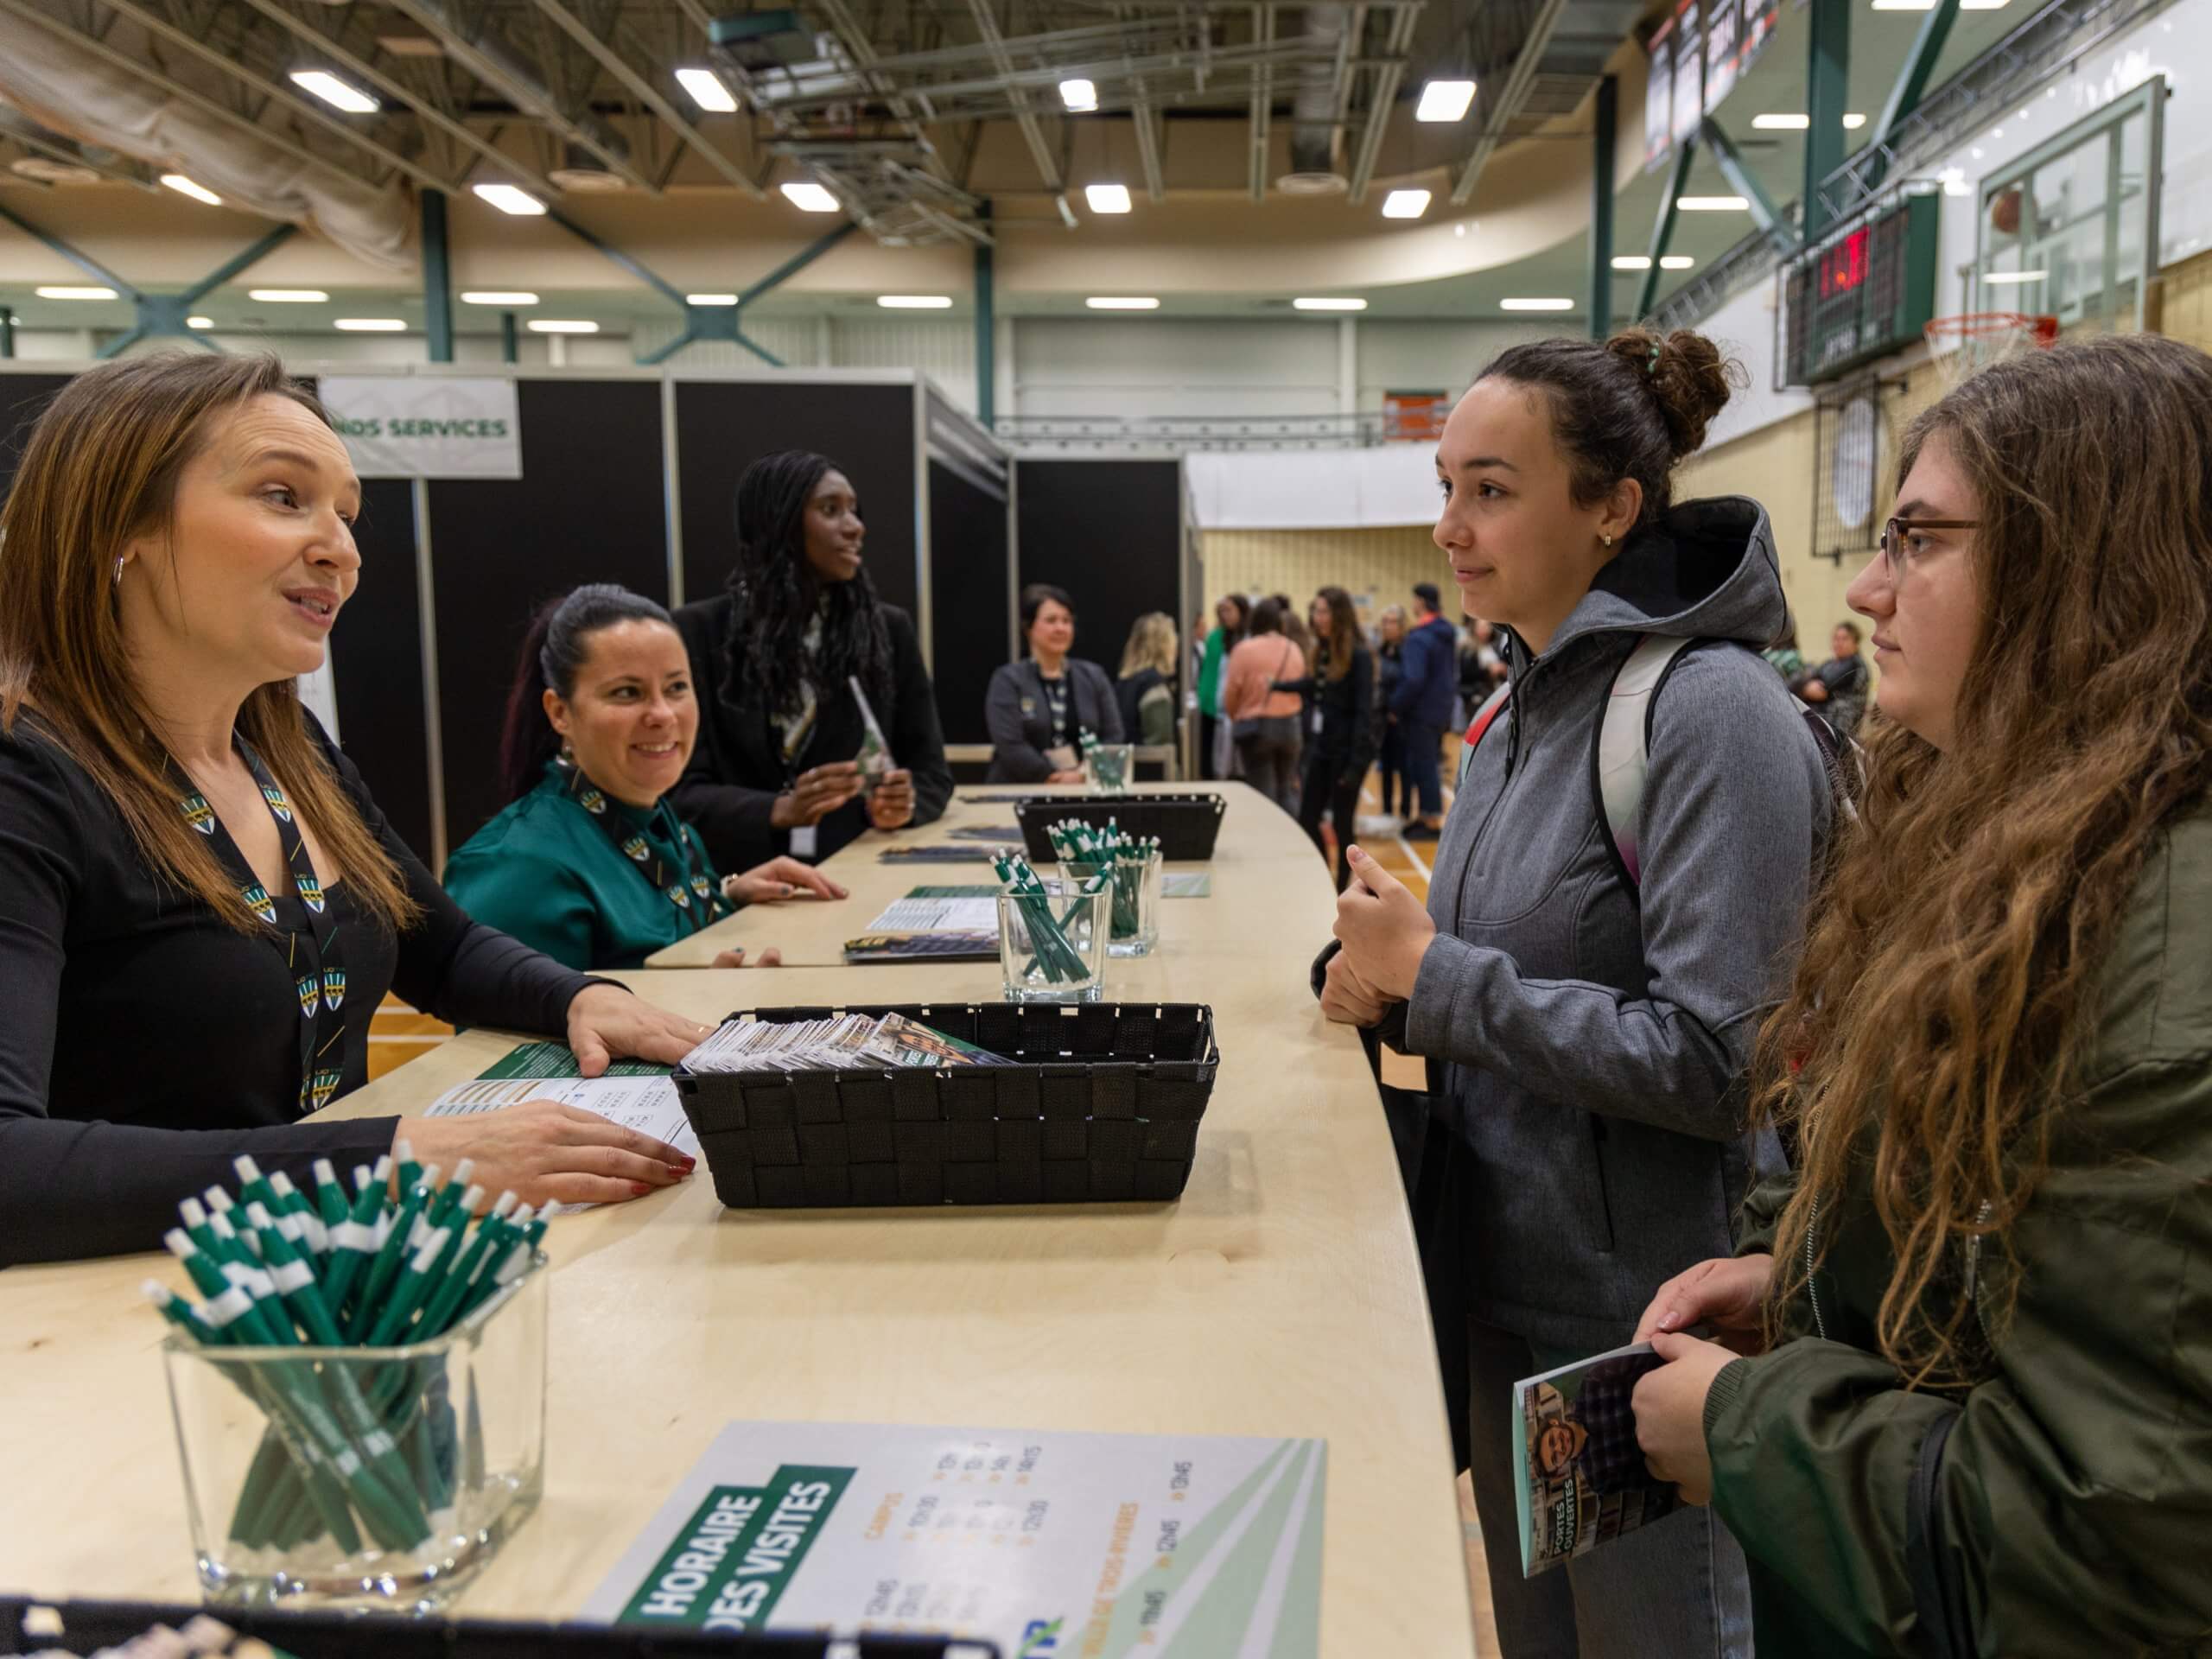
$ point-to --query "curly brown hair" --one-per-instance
(1946, 997)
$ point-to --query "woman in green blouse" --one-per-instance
(588, 862)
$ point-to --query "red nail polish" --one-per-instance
(687, 1165)
(639, 1189)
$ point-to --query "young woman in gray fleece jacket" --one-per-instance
(1585, 1031)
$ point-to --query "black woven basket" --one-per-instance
(1187, 825)
(1102, 1106)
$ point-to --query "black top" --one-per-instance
(1017, 711)
(145, 1043)
(1347, 737)
(737, 767)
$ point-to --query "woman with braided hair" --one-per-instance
(776, 656)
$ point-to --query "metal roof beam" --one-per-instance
(1386, 80)
(1025, 118)
(1499, 114)
(1264, 38)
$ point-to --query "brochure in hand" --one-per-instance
(875, 758)
(1583, 1482)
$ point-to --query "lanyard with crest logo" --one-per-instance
(688, 888)
(314, 953)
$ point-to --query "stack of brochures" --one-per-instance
(837, 1042)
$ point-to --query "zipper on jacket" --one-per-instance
(1974, 1272)
(1812, 1280)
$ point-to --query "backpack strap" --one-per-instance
(1492, 707)
(1620, 749)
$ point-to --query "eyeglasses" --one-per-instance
(1895, 531)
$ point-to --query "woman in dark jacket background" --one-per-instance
(1389, 664)
(1339, 698)
(774, 657)
(1039, 708)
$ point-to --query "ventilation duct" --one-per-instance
(482, 51)
(585, 174)
(1316, 141)
(68, 89)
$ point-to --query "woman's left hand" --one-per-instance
(771, 958)
(890, 803)
(1671, 1412)
(606, 1023)
(777, 880)
(1384, 930)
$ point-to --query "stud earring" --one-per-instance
(1607, 540)
(118, 569)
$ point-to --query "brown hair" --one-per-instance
(1947, 995)
(102, 465)
(1344, 630)
(1632, 408)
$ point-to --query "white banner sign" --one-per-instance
(396, 426)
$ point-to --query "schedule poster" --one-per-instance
(1053, 1545)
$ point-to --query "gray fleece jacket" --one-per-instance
(1590, 1039)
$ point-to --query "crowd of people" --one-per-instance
(1868, 1085)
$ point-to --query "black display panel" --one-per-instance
(376, 658)
(589, 507)
(723, 426)
(1111, 533)
(967, 597)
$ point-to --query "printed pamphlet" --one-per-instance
(1051, 1545)
(1583, 1482)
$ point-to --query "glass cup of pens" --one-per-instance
(355, 1476)
(1135, 873)
(1053, 939)
(1108, 768)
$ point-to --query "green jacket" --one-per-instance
(546, 872)
(1210, 673)
(2063, 1504)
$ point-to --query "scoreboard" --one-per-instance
(1863, 295)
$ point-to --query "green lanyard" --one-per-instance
(685, 888)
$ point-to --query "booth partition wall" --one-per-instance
(626, 476)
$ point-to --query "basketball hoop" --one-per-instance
(1962, 346)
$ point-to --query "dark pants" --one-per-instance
(1424, 747)
(1328, 794)
(1271, 758)
(1676, 1589)
(1206, 723)
(1395, 780)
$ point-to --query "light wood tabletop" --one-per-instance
(1281, 1296)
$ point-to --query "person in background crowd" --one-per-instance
(1339, 699)
(588, 862)
(1427, 680)
(1587, 1006)
(1230, 618)
(1039, 708)
(1838, 687)
(1482, 667)
(1783, 657)
(775, 657)
(1960, 1401)
(1295, 627)
(1263, 720)
(200, 906)
(1389, 665)
(1145, 693)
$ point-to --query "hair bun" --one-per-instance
(1686, 375)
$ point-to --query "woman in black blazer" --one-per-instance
(1037, 709)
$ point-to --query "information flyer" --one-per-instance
(1053, 1545)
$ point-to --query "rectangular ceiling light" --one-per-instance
(1405, 204)
(809, 197)
(557, 326)
(1677, 262)
(199, 322)
(710, 299)
(1329, 305)
(1905, 5)
(66, 292)
(1535, 305)
(509, 199)
(338, 94)
(1445, 100)
(370, 325)
(1777, 122)
(1983, 5)
(185, 187)
(1107, 198)
(1123, 303)
(2004, 278)
(707, 90)
(1631, 261)
(287, 295)
(499, 296)
(1081, 97)
(915, 301)
(1853, 122)
(1711, 204)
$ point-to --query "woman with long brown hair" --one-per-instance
(200, 906)
(1339, 698)
(1961, 1401)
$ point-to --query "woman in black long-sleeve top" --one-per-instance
(1339, 697)
(200, 907)
(1037, 709)
(774, 770)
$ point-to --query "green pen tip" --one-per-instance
(504, 1205)
(463, 1171)
(194, 1214)
(178, 1245)
(218, 1200)
(382, 1170)
(470, 1199)
(281, 1184)
(324, 1174)
(248, 1170)
(158, 1294)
